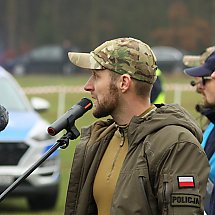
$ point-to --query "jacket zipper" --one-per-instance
(142, 183)
(80, 184)
(165, 200)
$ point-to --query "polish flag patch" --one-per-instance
(186, 182)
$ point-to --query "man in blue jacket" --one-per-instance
(205, 74)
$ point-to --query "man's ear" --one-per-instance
(125, 82)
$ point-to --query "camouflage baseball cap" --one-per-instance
(197, 60)
(123, 56)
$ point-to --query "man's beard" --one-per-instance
(109, 103)
(208, 104)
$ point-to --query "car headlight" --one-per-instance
(39, 131)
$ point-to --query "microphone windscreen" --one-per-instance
(4, 118)
(86, 104)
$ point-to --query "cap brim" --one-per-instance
(84, 60)
(199, 71)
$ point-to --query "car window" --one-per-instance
(167, 53)
(10, 97)
(47, 54)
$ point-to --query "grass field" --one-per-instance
(18, 206)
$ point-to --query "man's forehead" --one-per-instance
(100, 71)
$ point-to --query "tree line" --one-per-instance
(187, 25)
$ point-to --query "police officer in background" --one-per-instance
(157, 94)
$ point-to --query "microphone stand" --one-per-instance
(63, 142)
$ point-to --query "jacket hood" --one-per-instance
(160, 117)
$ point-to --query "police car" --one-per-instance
(22, 143)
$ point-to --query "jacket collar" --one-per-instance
(208, 112)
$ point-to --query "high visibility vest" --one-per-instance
(161, 97)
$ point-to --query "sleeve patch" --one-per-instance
(186, 182)
(185, 200)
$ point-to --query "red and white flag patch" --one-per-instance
(186, 182)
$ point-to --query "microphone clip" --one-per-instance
(71, 134)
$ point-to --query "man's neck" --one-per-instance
(127, 112)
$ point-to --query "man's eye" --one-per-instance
(95, 76)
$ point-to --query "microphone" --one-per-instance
(70, 116)
(193, 83)
(4, 118)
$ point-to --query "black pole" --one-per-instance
(62, 142)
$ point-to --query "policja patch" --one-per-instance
(185, 200)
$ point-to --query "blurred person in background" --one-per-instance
(158, 94)
(204, 75)
(143, 159)
(212, 201)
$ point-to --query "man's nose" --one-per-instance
(89, 85)
(199, 88)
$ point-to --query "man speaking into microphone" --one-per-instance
(4, 118)
(146, 159)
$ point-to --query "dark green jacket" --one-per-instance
(164, 147)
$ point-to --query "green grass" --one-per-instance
(18, 206)
(49, 80)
